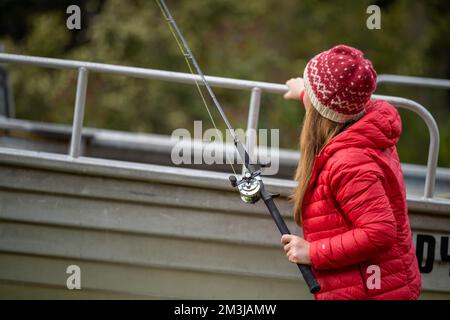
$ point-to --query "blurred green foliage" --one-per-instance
(266, 40)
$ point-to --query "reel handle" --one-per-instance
(233, 181)
(305, 270)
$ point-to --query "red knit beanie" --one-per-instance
(339, 82)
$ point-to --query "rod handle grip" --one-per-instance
(305, 270)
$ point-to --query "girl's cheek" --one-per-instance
(305, 101)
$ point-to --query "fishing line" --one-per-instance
(186, 56)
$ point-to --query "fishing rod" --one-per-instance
(250, 186)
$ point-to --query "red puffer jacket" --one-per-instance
(355, 216)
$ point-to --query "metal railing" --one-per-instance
(414, 81)
(255, 87)
(6, 97)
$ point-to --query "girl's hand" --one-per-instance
(295, 85)
(296, 248)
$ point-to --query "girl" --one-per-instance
(350, 199)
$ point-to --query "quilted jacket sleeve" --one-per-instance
(359, 191)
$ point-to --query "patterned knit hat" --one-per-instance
(339, 82)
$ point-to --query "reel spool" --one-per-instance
(249, 186)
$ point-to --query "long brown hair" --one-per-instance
(316, 132)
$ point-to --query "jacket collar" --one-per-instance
(379, 128)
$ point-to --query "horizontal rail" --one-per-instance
(145, 73)
(414, 81)
(229, 83)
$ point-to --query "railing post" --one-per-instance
(6, 94)
(252, 123)
(433, 150)
(78, 114)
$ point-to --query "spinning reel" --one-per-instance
(249, 186)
